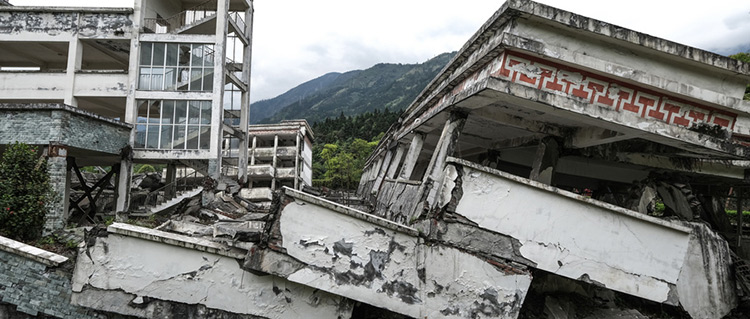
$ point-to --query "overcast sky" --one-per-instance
(299, 40)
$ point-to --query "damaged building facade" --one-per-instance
(552, 148)
(166, 82)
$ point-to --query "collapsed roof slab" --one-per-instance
(350, 253)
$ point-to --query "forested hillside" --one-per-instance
(342, 144)
(382, 86)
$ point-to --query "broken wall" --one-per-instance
(369, 259)
(32, 280)
(42, 123)
(145, 273)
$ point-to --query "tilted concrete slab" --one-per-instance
(134, 271)
(369, 259)
(574, 236)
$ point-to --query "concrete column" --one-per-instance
(75, 56)
(123, 185)
(380, 174)
(252, 150)
(171, 178)
(242, 158)
(245, 105)
(446, 145)
(214, 168)
(545, 161)
(217, 102)
(296, 162)
(275, 158)
(396, 161)
(411, 157)
(59, 178)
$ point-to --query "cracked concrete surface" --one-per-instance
(145, 270)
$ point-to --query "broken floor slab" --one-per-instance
(369, 259)
(128, 268)
(580, 238)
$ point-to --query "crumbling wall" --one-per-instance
(32, 281)
(571, 235)
(99, 23)
(40, 124)
(147, 273)
(705, 286)
(372, 260)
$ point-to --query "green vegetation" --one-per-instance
(382, 86)
(343, 144)
(25, 193)
(744, 57)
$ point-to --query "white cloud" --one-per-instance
(298, 40)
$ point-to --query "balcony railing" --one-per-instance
(182, 19)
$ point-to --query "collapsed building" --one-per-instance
(551, 146)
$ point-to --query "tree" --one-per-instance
(744, 57)
(25, 193)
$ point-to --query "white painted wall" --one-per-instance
(144, 268)
(575, 237)
(33, 86)
(455, 282)
(104, 84)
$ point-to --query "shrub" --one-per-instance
(25, 193)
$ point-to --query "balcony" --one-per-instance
(266, 153)
(262, 170)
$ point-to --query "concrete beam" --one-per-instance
(547, 154)
(593, 136)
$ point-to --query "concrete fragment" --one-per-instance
(118, 269)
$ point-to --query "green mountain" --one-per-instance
(384, 85)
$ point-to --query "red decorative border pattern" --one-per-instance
(598, 90)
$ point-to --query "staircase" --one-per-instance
(171, 194)
(184, 21)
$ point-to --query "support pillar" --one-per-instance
(380, 174)
(59, 179)
(75, 56)
(275, 159)
(396, 161)
(171, 191)
(296, 162)
(411, 157)
(545, 161)
(123, 182)
(446, 145)
(245, 104)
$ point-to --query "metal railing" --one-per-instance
(236, 16)
(184, 18)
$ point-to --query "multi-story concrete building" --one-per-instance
(164, 82)
(280, 156)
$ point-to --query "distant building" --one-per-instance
(280, 155)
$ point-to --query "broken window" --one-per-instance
(176, 67)
(173, 124)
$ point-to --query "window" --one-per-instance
(173, 124)
(176, 67)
